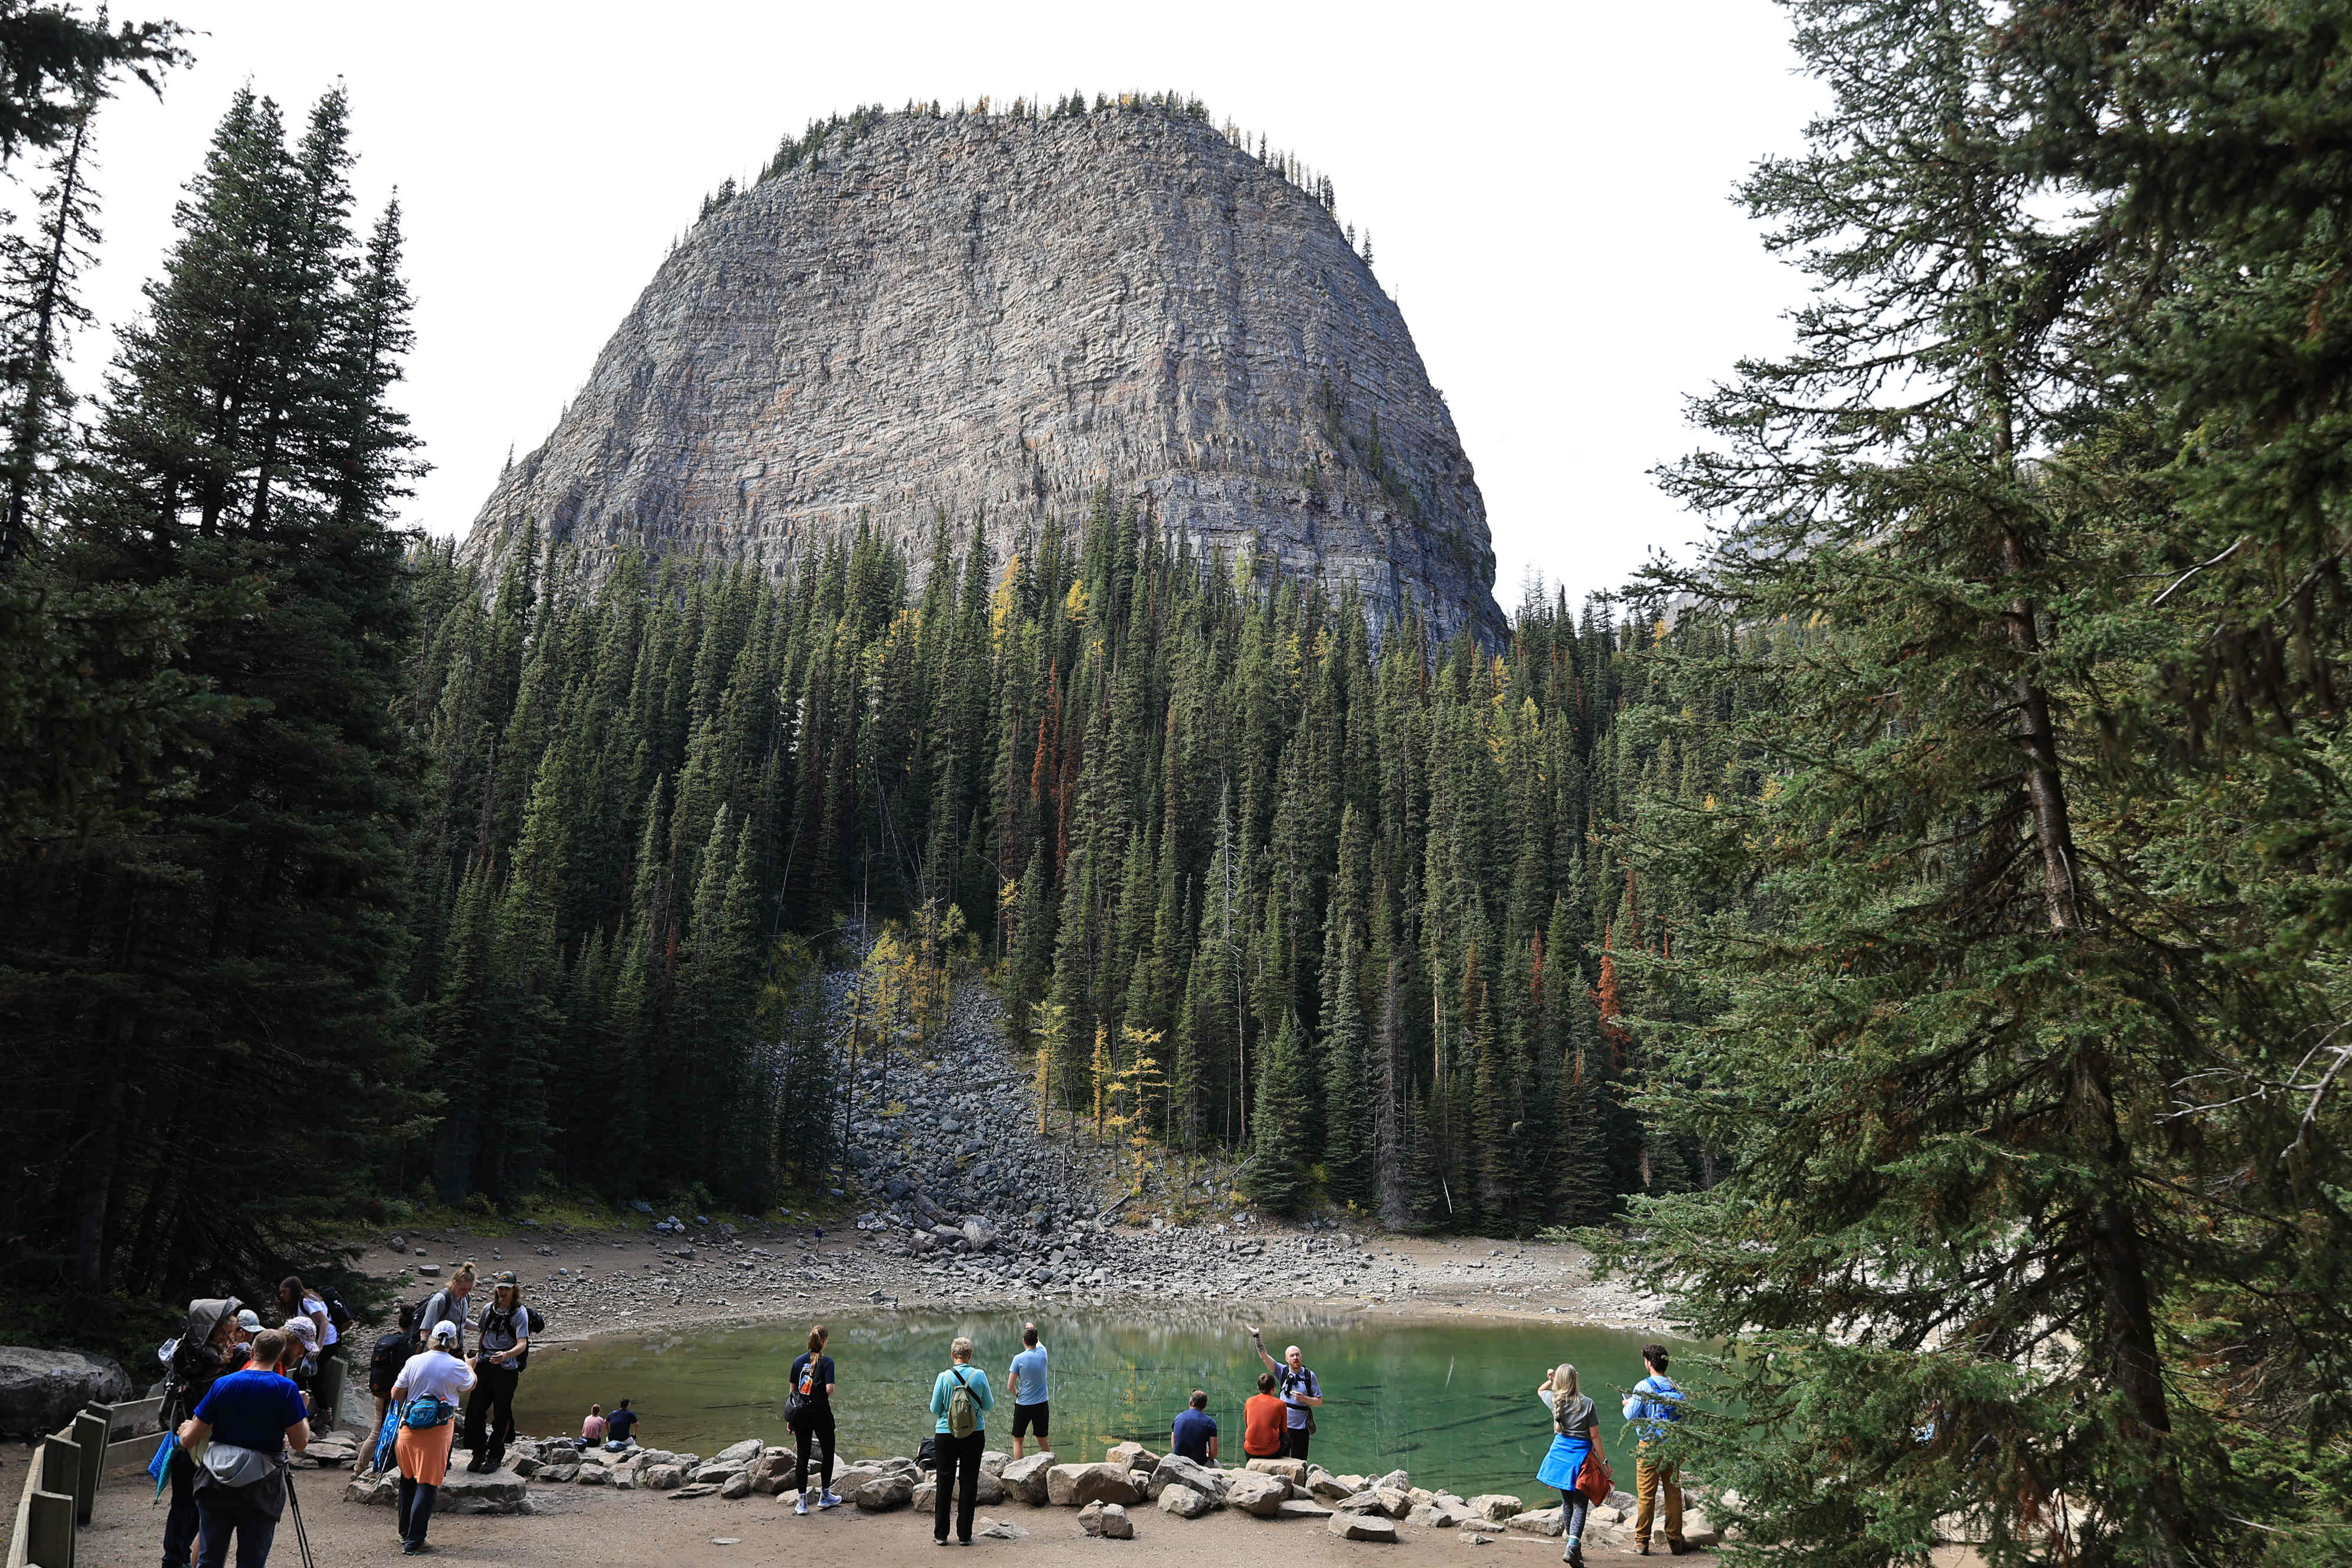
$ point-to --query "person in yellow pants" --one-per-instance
(1654, 1401)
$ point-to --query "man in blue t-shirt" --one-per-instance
(1026, 1383)
(1654, 1401)
(248, 1418)
(1194, 1435)
(619, 1426)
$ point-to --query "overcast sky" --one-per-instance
(1547, 186)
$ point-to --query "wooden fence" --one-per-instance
(62, 1480)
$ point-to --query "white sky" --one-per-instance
(1546, 188)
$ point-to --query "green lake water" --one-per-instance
(1450, 1400)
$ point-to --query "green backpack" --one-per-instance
(963, 1415)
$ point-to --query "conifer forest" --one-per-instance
(1913, 937)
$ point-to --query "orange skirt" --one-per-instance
(424, 1452)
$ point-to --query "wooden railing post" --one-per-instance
(61, 1465)
(49, 1528)
(91, 1431)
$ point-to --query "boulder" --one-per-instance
(1176, 1470)
(927, 1493)
(525, 1467)
(591, 1476)
(1074, 1486)
(378, 1491)
(716, 1474)
(741, 1453)
(1538, 1522)
(1363, 1526)
(992, 1462)
(1180, 1501)
(988, 1489)
(556, 1475)
(1397, 1478)
(847, 1481)
(1027, 1478)
(883, 1493)
(1300, 1508)
(661, 1478)
(500, 1492)
(1322, 1483)
(41, 1390)
(1130, 1456)
(1107, 1520)
(1493, 1507)
(1291, 1470)
(737, 1484)
(1253, 1491)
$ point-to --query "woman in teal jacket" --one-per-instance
(958, 1455)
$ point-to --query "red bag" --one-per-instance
(1592, 1479)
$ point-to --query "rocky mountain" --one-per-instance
(1005, 318)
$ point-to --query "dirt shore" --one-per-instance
(577, 1527)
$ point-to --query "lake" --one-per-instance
(1449, 1399)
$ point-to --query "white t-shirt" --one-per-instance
(436, 1373)
(313, 1304)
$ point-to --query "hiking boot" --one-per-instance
(1574, 1555)
(826, 1499)
(1679, 1547)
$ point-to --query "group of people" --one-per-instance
(236, 1397)
(1277, 1422)
(1576, 1455)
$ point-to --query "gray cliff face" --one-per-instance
(1000, 318)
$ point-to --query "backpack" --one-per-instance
(1593, 1476)
(416, 1325)
(536, 1325)
(964, 1414)
(391, 1353)
(338, 1315)
(804, 1392)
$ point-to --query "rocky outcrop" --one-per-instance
(40, 1390)
(1003, 318)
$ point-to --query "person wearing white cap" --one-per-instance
(429, 1389)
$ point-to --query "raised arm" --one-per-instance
(1258, 1343)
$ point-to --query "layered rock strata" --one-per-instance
(1004, 319)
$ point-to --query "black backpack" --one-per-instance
(336, 1313)
(391, 1353)
(536, 1325)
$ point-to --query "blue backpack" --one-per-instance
(427, 1411)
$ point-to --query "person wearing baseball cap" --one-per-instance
(501, 1350)
(427, 1389)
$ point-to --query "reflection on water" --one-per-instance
(1452, 1400)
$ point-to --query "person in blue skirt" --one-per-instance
(1575, 1428)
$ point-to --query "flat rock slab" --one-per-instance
(1000, 1530)
(1363, 1526)
(1300, 1508)
(700, 1489)
(1291, 1470)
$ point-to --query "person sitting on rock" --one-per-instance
(619, 1426)
(1261, 1421)
(1194, 1434)
(592, 1430)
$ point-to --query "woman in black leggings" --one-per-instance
(812, 1380)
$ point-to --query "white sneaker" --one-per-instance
(801, 1507)
(828, 1501)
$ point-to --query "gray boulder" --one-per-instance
(1025, 1478)
(594, 1476)
(1176, 1470)
(1254, 1492)
(1493, 1507)
(741, 1453)
(661, 1478)
(1181, 1500)
(1107, 1520)
(1074, 1486)
(41, 1390)
(1538, 1522)
(884, 1493)
(737, 1484)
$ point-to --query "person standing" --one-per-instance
(429, 1387)
(501, 1351)
(298, 1300)
(210, 1346)
(447, 1305)
(1301, 1391)
(811, 1422)
(1193, 1433)
(960, 1400)
(1262, 1421)
(389, 1354)
(1575, 1429)
(245, 1421)
(1654, 1403)
(1026, 1381)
